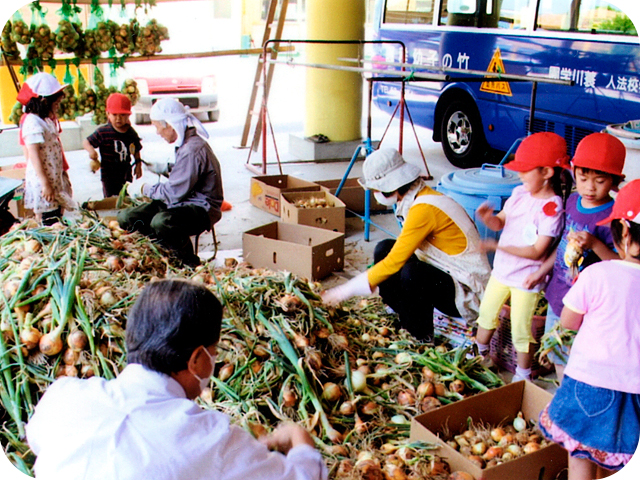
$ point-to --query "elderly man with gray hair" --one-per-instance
(190, 201)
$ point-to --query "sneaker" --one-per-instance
(517, 378)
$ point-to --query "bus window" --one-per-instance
(585, 16)
(459, 13)
(409, 11)
(513, 14)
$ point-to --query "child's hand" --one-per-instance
(137, 170)
(484, 212)
(488, 245)
(94, 164)
(584, 239)
(47, 192)
(534, 279)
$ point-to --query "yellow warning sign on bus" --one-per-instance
(496, 66)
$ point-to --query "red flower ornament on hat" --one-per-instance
(550, 209)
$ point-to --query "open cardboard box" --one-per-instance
(352, 194)
(492, 408)
(310, 252)
(16, 204)
(330, 217)
(266, 190)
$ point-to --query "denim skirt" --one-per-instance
(598, 418)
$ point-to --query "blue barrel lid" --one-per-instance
(486, 180)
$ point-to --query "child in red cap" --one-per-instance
(597, 168)
(48, 189)
(530, 221)
(595, 414)
(117, 142)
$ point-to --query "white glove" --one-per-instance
(135, 188)
(159, 168)
(358, 285)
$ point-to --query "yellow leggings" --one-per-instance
(523, 306)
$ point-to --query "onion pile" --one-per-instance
(130, 89)
(149, 37)
(43, 43)
(68, 109)
(488, 446)
(20, 32)
(67, 36)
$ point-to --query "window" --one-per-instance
(587, 16)
(409, 11)
(512, 14)
(460, 13)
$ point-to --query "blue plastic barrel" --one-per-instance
(474, 186)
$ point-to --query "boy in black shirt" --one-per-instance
(117, 142)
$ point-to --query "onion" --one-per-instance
(70, 357)
(32, 246)
(365, 337)
(506, 456)
(426, 389)
(438, 467)
(261, 352)
(519, 423)
(479, 448)
(370, 408)
(493, 452)
(457, 386)
(497, 434)
(113, 224)
(440, 389)
(314, 360)
(462, 440)
(428, 374)
(531, 447)
(108, 299)
(257, 429)
(514, 450)
(393, 472)
(51, 343)
(377, 355)
(11, 288)
(289, 397)
(70, 371)
(339, 341)
(226, 371)
(406, 397)
(337, 450)
(345, 467)
(405, 453)
(130, 264)
(399, 420)
(360, 426)
(476, 460)
(403, 358)
(300, 340)
(507, 439)
(461, 475)
(358, 381)
(30, 337)
(87, 371)
(385, 331)
(347, 408)
(256, 367)
(114, 263)
(429, 403)
(331, 392)
(77, 340)
(323, 333)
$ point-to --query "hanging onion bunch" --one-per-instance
(43, 43)
(20, 32)
(86, 97)
(130, 89)
(69, 104)
(91, 48)
(16, 113)
(9, 46)
(123, 38)
(149, 37)
(67, 37)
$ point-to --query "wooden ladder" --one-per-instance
(258, 82)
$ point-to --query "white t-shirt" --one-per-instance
(142, 426)
(606, 350)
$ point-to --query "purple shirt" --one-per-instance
(526, 218)
(578, 219)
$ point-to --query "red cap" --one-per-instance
(627, 204)
(543, 149)
(117, 103)
(601, 151)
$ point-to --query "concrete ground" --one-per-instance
(286, 109)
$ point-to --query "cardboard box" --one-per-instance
(108, 203)
(266, 190)
(330, 217)
(16, 205)
(310, 252)
(352, 194)
(492, 408)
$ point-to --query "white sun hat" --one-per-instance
(386, 171)
(39, 85)
(178, 116)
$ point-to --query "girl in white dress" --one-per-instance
(48, 189)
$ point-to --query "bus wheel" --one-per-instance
(462, 137)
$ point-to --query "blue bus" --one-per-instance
(590, 42)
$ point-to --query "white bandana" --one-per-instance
(177, 116)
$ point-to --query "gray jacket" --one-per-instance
(195, 178)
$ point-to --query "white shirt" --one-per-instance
(142, 426)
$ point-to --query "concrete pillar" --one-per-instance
(334, 98)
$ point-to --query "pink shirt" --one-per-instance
(526, 218)
(606, 350)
